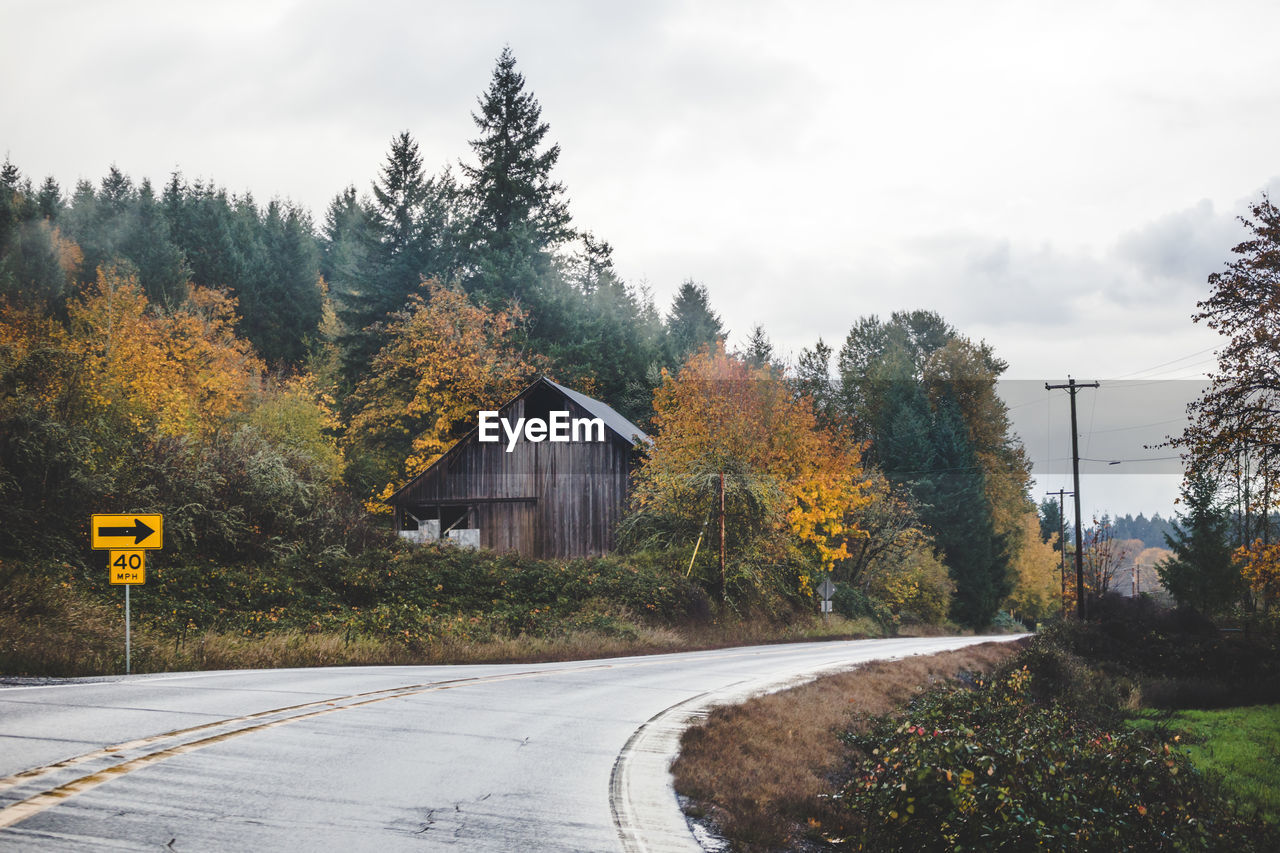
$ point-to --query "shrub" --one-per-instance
(993, 768)
(852, 603)
(1005, 623)
(1175, 658)
(915, 587)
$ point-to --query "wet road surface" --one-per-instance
(558, 756)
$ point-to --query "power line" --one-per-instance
(1174, 369)
(1140, 426)
(1093, 413)
(1167, 363)
(1127, 384)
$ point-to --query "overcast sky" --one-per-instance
(1057, 179)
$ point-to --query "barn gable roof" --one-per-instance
(614, 421)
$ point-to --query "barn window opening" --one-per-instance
(454, 518)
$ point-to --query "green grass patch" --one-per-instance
(1241, 746)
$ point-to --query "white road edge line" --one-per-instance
(642, 797)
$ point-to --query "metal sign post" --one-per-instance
(826, 589)
(127, 568)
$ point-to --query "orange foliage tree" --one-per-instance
(447, 359)
(177, 374)
(1260, 568)
(129, 405)
(792, 483)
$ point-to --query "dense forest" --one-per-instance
(265, 380)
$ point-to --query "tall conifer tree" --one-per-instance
(1202, 572)
(382, 251)
(519, 213)
(692, 324)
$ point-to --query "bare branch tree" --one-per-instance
(1104, 556)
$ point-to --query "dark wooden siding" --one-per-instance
(542, 499)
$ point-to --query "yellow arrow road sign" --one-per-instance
(128, 567)
(136, 531)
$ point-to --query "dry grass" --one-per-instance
(76, 637)
(756, 768)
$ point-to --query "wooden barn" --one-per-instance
(541, 498)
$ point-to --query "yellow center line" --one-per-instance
(37, 803)
(36, 772)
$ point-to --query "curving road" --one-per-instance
(560, 756)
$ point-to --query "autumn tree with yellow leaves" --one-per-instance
(1037, 584)
(791, 489)
(130, 406)
(446, 359)
(1260, 571)
(174, 373)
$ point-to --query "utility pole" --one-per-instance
(722, 578)
(1062, 544)
(1072, 387)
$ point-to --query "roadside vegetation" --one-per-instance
(1059, 747)
(1140, 727)
(394, 604)
(755, 771)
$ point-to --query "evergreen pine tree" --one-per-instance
(1051, 522)
(84, 223)
(116, 193)
(30, 271)
(10, 175)
(379, 254)
(595, 329)
(519, 214)
(926, 449)
(162, 268)
(1201, 573)
(759, 351)
(959, 515)
(204, 225)
(691, 324)
(343, 237)
(813, 379)
(903, 424)
(399, 196)
(9, 219)
(49, 199)
(281, 300)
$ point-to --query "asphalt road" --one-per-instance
(560, 756)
